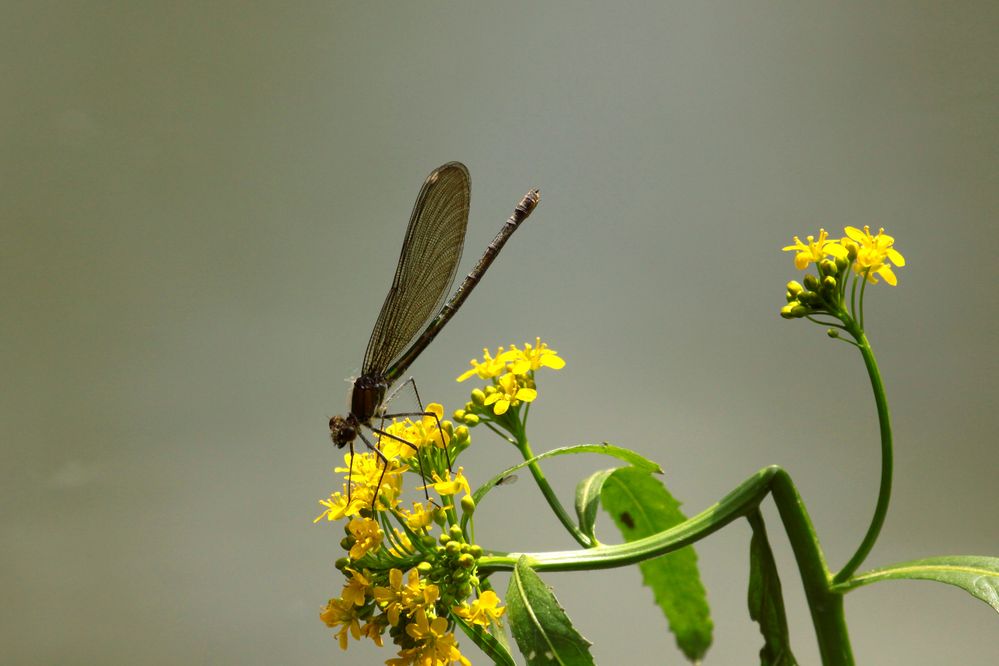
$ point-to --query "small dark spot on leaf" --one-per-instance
(627, 519)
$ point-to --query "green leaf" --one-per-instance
(641, 507)
(540, 626)
(487, 643)
(587, 496)
(766, 602)
(977, 575)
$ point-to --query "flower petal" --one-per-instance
(855, 234)
(552, 361)
(526, 394)
(886, 272)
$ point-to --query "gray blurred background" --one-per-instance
(202, 205)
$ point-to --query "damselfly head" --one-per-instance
(343, 431)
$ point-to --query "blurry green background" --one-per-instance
(202, 205)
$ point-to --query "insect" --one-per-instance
(407, 322)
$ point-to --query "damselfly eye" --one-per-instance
(342, 432)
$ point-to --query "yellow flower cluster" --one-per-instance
(399, 578)
(870, 253)
(511, 372)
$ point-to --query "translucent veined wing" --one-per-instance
(428, 263)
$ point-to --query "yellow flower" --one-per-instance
(417, 433)
(390, 598)
(489, 368)
(356, 588)
(396, 598)
(873, 253)
(374, 629)
(483, 610)
(531, 358)
(420, 517)
(367, 537)
(337, 506)
(436, 644)
(339, 612)
(815, 250)
(509, 392)
(364, 471)
(449, 486)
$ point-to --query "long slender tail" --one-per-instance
(522, 211)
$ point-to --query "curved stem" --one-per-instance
(826, 605)
(539, 477)
(860, 306)
(884, 492)
(853, 296)
(744, 499)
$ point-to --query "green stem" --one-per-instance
(539, 477)
(884, 420)
(826, 605)
(860, 307)
(745, 498)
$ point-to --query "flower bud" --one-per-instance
(811, 282)
(841, 263)
(342, 563)
(799, 311)
(468, 505)
(466, 561)
(347, 542)
(452, 547)
(478, 396)
(827, 267)
(472, 419)
(794, 287)
(424, 568)
(475, 550)
(456, 533)
(832, 333)
(459, 415)
(440, 515)
(829, 283)
(461, 432)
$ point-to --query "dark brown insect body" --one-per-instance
(365, 401)
(423, 277)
